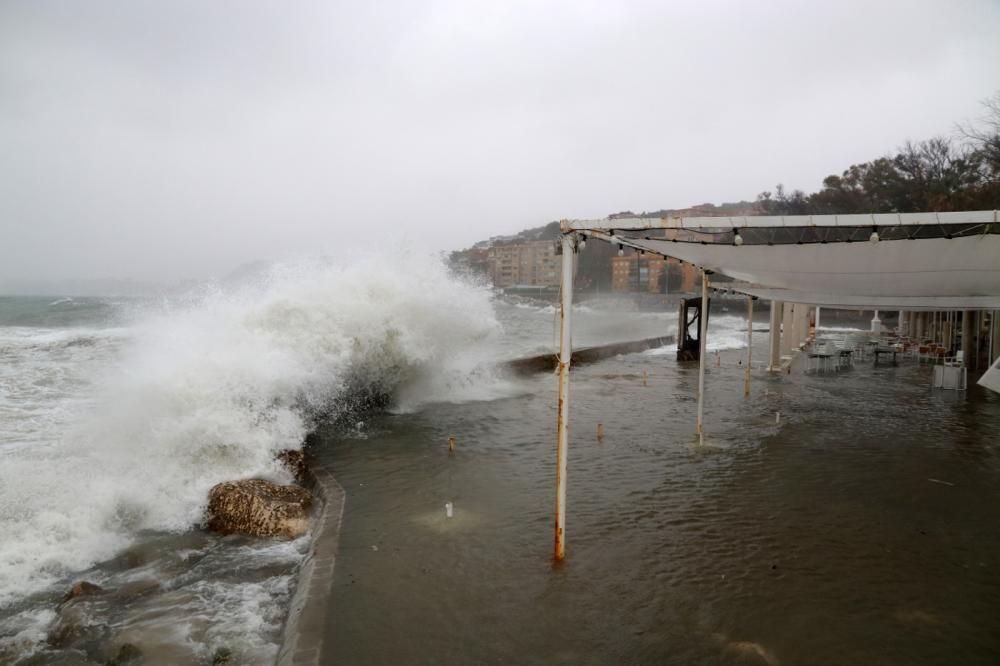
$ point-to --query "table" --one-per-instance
(886, 350)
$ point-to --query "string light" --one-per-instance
(874, 237)
(621, 250)
(737, 239)
(582, 244)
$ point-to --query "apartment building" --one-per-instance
(647, 272)
(528, 263)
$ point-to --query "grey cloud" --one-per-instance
(162, 140)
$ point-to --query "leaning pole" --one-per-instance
(565, 353)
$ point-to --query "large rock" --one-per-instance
(294, 460)
(258, 508)
(82, 589)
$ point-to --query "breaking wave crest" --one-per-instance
(209, 390)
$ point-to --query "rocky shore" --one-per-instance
(110, 616)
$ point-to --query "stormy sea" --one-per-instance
(826, 519)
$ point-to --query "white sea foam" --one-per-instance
(23, 633)
(210, 391)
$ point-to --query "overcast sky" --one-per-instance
(166, 140)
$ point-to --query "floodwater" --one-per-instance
(860, 529)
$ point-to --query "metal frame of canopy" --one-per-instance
(714, 244)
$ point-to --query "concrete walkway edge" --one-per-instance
(305, 627)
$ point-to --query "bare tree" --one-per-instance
(983, 134)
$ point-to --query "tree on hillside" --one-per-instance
(938, 174)
(985, 135)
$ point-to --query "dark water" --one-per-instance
(60, 312)
(862, 529)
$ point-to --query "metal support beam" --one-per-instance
(968, 344)
(994, 337)
(774, 363)
(702, 339)
(788, 334)
(801, 318)
(978, 321)
(746, 370)
(562, 424)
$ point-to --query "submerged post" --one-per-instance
(746, 370)
(565, 353)
(702, 335)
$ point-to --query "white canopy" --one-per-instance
(962, 272)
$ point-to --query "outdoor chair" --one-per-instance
(823, 353)
(956, 360)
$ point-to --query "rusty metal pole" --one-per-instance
(565, 353)
(702, 334)
(746, 370)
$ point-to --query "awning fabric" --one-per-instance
(908, 274)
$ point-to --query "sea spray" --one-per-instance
(209, 390)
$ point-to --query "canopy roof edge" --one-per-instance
(765, 221)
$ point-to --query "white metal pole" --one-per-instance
(702, 335)
(562, 424)
(994, 337)
(774, 363)
(817, 319)
(746, 376)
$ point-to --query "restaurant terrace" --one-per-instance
(941, 271)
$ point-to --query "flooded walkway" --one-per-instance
(859, 530)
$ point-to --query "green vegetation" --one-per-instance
(939, 174)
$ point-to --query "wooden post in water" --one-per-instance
(562, 422)
(702, 339)
(746, 370)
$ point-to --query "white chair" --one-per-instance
(955, 361)
(823, 352)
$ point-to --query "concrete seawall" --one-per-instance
(305, 627)
(302, 639)
(549, 362)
